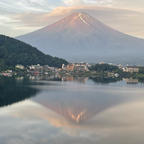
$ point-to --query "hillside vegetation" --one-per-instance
(13, 52)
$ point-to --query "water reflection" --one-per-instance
(100, 80)
(75, 113)
(78, 105)
(12, 91)
(78, 102)
(105, 80)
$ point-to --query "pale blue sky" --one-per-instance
(16, 16)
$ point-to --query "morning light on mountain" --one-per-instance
(80, 37)
(71, 72)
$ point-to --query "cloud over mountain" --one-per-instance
(126, 21)
(25, 15)
(84, 2)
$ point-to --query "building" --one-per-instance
(7, 73)
(47, 68)
(76, 67)
(131, 69)
(70, 67)
(81, 67)
(36, 69)
(20, 67)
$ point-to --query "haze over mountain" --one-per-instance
(80, 37)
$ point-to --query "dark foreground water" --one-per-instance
(78, 112)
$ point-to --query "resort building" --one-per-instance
(20, 67)
(131, 69)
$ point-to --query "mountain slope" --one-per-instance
(14, 52)
(81, 37)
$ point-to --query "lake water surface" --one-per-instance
(77, 112)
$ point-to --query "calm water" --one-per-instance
(78, 112)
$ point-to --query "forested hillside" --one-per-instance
(14, 52)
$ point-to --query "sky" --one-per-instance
(18, 17)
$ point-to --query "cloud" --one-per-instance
(73, 2)
(99, 1)
(27, 15)
(16, 6)
(126, 21)
(85, 2)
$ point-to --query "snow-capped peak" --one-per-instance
(82, 19)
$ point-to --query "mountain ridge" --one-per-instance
(15, 52)
(80, 37)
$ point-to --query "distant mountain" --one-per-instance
(14, 52)
(80, 37)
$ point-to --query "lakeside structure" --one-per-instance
(76, 67)
(131, 69)
(68, 72)
(20, 67)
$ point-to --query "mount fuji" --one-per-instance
(80, 37)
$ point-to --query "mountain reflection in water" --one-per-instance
(79, 102)
(72, 113)
(78, 105)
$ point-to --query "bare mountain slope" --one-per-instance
(80, 37)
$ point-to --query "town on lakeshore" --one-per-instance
(101, 72)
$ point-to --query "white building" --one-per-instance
(131, 69)
(20, 67)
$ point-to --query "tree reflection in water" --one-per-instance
(13, 91)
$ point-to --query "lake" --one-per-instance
(71, 112)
